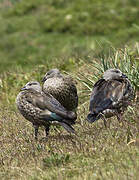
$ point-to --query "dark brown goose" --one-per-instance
(110, 96)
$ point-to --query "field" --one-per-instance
(81, 38)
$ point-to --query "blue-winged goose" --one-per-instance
(42, 108)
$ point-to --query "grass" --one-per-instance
(30, 36)
(95, 152)
(32, 42)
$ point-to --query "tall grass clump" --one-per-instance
(126, 59)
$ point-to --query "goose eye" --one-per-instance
(116, 71)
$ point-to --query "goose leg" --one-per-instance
(47, 128)
(119, 117)
(36, 127)
(104, 120)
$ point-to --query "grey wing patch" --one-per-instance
(53, 101)
(44, 101)
(54, 106)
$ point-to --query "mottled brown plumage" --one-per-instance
(62, 88)
(42, 109)
(110, 96)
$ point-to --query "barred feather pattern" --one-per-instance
(30, 112)
(64, 90)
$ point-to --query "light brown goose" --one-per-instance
(62, 88)
(42, 109)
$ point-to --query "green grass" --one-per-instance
(80, 38)
(37, 32)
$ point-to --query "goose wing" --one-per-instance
(48, 102)
(106, 95)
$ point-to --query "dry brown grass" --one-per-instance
(95, 152)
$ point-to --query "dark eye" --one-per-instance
(34, 84)
(116, 71)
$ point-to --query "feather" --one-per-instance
(67, 127)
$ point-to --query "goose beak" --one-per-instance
(24, 88)
(44, 79)
(124, 76)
